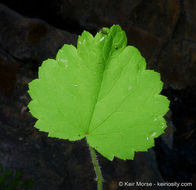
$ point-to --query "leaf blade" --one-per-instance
(101, 91)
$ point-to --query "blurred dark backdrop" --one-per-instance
(32, 31)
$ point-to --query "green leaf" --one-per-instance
(101, 91)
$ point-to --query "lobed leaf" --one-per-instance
(101, 91)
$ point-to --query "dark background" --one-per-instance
(32, 31)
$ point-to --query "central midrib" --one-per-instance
(98, 92)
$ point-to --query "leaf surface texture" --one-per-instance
(100, 90)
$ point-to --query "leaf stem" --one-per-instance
(99, 177)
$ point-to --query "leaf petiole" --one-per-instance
(99, 177)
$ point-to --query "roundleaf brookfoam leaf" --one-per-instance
(100, 90)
